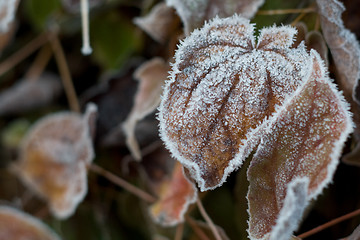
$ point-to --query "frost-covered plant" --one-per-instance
(230, 95)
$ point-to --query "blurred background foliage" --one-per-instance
(119, 46)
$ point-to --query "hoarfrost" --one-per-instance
(7, 13)
(304, 139)
(221, 91)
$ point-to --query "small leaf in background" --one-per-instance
(355, 235)
(222, 88)
(29, 94)
(175, 195)
(194, 13)
(17, 225)
(160, 23)
(151, 75)
(54, 158)
(301, 147)
(344, 47)
(7, 14)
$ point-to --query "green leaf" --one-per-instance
(40, 12)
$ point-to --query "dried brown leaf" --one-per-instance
(222, 88)
(160, 23)
(17, 225)
(54, 158)
(195, 13)
(175, 195)
(29, 94)
(297, 156)
(152, 75)
(343, 45)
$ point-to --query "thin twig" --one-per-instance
(196, 228)
(65, 74)
(329, 224)
(122, 183)
(297, 19)
(286, 11)
(208, 219)
(179, 231)
(23, 53)
(86, 49)
(39, 64)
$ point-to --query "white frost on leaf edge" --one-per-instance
(279, 229)
(294, 205)
(36, 223)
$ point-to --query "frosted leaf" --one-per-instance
(195, 13)
(151, 75)
(222, 89)
(344, 47)
(29, 94)
(175, 196)
(302, 141)
(7, 13)
(17, 225)
(160, 23)
(54, 157)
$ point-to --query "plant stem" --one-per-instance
(196, 228)
(86, 49)
(179, 231)
(122, 183)
(23, 53)
(65, 74)
(285, 11)
(40, 62)
(208, 219)
(329, 224)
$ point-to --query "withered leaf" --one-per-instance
(297, 155)
(223, 87)
(152, 75)
(160, 23)
(175, 195)
(343, 45)
(54, 157)
(29, 94)
(315, 40)
(195, 13)
(17, 225)
(7, 13)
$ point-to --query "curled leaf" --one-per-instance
(301, 147)
(160, 23)
(343, 44)
(54, 158)
(29, 94)
(223, 87)
(195, 13)
(17, 225)
(175, 195)
(151, 75)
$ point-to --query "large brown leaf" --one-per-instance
(297, 155)
(223, 87)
